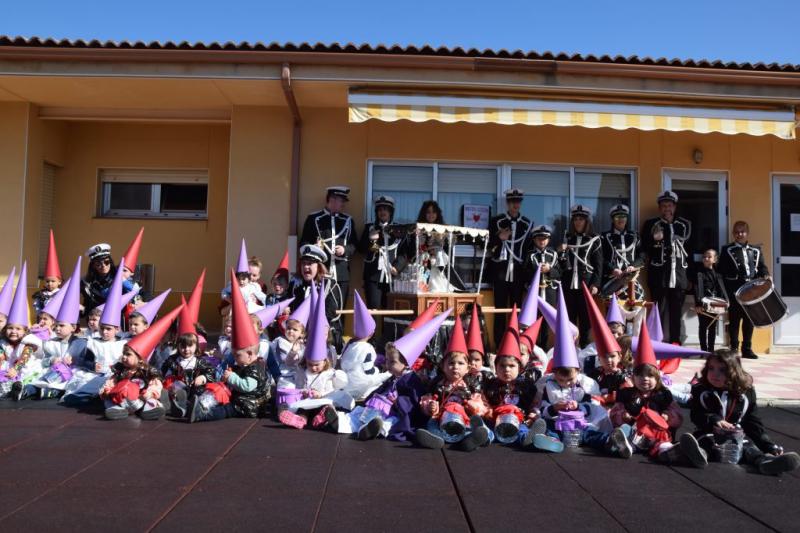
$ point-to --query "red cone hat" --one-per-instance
(644, 351)
(243, 334)
(513, 321)
(145, 342)
(196, 296)
(132, 254)
(509, 345)
(425, 316)
(185, 322)
(475, 336)
(604, 340)
(457, 341)
(283, 267)
(530, 335)
(51, 269)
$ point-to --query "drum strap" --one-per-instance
(575, 248)
(329, 244)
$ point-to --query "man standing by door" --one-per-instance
(508, 235)
(740, 262)
(333, 231)
(664, 239)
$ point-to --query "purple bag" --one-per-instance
(63, 370)
(571, 421)
(3, 376)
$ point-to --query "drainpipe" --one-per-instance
(294, 186)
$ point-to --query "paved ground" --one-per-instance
(777, 377)
(73, 471)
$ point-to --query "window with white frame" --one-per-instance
(153, 193)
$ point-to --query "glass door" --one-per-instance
(786, 246)
(703, 200)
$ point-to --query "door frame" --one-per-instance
(776, 179)
(722, 179)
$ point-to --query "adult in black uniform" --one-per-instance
(508, 240)
(740, 262)
(383, 253)
(581, 259)
(664, 240)
(333, 231)
(540, 255)
(622, 250)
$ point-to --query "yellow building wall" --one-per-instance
(178, 248)
(13, 144)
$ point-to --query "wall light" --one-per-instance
(697, 155)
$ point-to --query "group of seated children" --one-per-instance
(615, 402)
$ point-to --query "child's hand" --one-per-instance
(628, 418)
(561, 406)
(572, 405)
(725, 425)
(666, 416)
(12, 372)
(67, 359)
(98, 367)
(338, 250)
(56, 361)
(433, 407)
(313, 394)
(227, 374)
(200, 380)
(698, 309)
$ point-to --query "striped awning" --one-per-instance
(485, 110)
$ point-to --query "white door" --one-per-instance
(786, 262)
(703, 200)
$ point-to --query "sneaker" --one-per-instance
(152, 414)
(774, 465)
(620, 442)
(692, 450)
(539, 427)
(546, 443)
(290, 419)
(179, 404)
(116, 412)
(478, 437)
(326, 419)
(17, 391)
(371, 429)
(426, 439)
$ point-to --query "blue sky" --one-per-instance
(732, 30)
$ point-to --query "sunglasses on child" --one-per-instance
(99, 262)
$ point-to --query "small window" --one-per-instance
(154, 193)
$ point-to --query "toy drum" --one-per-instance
(714, 306)
(571, 424)
(614, 285)
(289, 396)
(506, 428)
(650, 429)
(452, 426)
(761, 303)
(729, 445)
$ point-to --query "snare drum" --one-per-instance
(761, 303)
(714, 306)
(614, 285)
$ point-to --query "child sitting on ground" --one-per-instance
(724, 410)
(454, 404)
(358, 357)
(287, 351)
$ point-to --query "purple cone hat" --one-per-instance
(654, 324)
(271, 312)
(529, 312)
(242, 265)
(363, 323)
(614, 314)
(113, 307)
(564, 353)
(317, 334)
(665, 350)
(7, 293)
(150, 309)
(549, 314)
(302, 312)
(70, 310)
(412, 344)
(124, 299)
(18, 314)
(54, 304)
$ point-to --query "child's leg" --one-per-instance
(703, 331)
(769, 464)
(476, 435)
(178, 393)
(153, 408)
(431, 436)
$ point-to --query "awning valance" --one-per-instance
(390, 107)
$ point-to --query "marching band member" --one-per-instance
(332, 230)
(622, 250)
(708, 284)
(664, 239)
(382, 249)
(508, 237)
(581, 260)
(541, 256)
(739, 263)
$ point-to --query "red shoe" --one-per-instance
(288, 418)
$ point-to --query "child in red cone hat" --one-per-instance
(134, 386)
(454, 402)
(51, 280)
